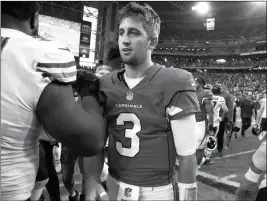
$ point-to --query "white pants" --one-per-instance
(201, 128)
(121, 191)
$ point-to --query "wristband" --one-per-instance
(187, 191)
(252, 176)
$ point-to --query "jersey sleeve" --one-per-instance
(185, 101)
(58, 63)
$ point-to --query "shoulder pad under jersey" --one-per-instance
(178, 79)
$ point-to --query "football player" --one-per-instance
(150, 114)
(253, 184)
(218, 104)
(36, 77)
(204, 118)
(227, 119)
(261, 123)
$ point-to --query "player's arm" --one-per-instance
(225, 111)
(92, 166)
(248, 185)
(92, 169)
(260, 112)
(184, 133)
(181, 113)
(210, 110)
(61, 116)
(230, 105)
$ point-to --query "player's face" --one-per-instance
(133, 41)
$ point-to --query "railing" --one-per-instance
(200, 43)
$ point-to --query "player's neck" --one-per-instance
(9, 22)
(139, 70)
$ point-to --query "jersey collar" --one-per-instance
(118, 76)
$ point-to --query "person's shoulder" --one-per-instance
(109, 79)
(50, 44)
(227, 96)
(177, 74)
(178, 78)
(205, 94)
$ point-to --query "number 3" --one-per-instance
(129, 133)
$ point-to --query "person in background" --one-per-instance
(227, 120)
(247, 111)
(57, 155)
(204, 119)
(253, 183)
(114, 59)
(46, 175)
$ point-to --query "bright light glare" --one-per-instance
(201, 7)
(259, 2)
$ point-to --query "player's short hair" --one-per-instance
(150, 19)
(22, 10)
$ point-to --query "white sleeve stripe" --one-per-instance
(61, 75)
(57, 65)
(67, 79)
(57, 70)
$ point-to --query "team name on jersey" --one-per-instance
(129, 106)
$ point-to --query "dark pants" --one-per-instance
(246, 123)
(262, 194)
(68, 160)
(47, 170)
(220, 136)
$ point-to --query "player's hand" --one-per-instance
(88, 84)
(95, 191)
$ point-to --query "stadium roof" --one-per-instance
(178, 14)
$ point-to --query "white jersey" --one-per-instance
(217, 104)
(28, 65)
(238, 120)
(263, 101)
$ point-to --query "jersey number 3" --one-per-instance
(129, 133)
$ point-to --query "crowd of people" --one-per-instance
(137, 116)
(238, 84)
(180, 62)
(235, 35)
(209, 50)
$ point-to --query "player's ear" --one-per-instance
(153, 41)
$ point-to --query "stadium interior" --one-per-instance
(221, 41)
